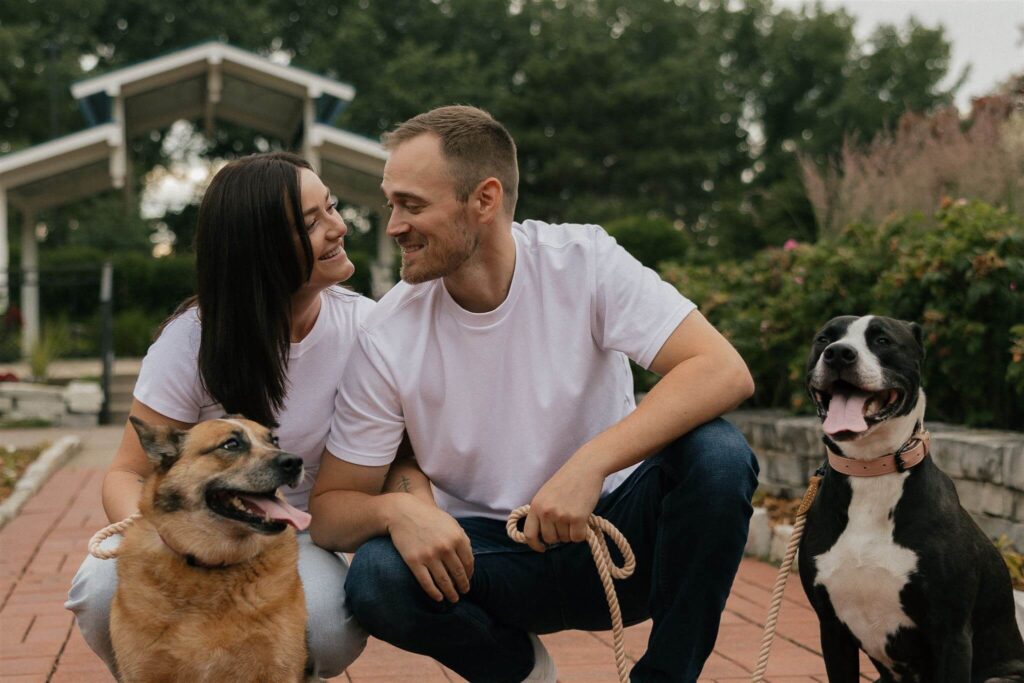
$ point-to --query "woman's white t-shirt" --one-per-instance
(169, 380)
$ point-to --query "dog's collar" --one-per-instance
(909, 454)
(191, 560)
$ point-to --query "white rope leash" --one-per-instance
(597, 528)
(782, 579)
(105, 533)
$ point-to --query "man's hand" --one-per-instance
(433, 545)
(560, 510)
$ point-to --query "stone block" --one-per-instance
(1013, 465)
(995, 527)
(759, 538)
(781, 534)
(83, 397)
(980, 497)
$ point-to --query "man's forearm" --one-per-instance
(405, 476)
(344, 520)
(694, 392)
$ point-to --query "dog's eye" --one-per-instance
(822, 339)
(882, 340)
(274, 440)
(231, 444)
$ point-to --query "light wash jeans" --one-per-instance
(332, 634)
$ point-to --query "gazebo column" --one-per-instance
(310, 150)
(29, 284)
(5, 254)
(381, 278)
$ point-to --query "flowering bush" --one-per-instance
(960, 274)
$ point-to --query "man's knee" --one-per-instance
(717, 458)
(380, 590)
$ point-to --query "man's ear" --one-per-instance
(488, 199)
(162, 443)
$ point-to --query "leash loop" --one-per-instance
(105, 533)
(783, 576)
(597, 529)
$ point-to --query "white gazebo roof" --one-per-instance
(209, 82)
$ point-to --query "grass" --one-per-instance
(13, 463)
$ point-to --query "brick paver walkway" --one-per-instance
(41, 549)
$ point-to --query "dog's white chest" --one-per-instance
(865, 570)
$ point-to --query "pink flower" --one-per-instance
(790, 244)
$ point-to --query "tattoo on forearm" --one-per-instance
(403, 484)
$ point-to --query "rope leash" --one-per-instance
(782, 578)
(597, 528)
(105, 533)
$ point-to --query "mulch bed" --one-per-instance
(14, 462)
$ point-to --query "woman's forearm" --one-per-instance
(121, 491)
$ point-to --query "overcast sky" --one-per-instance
(987, 34)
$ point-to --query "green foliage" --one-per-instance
(960, 279)
(134, 330)
(53, 344)
(650, 239)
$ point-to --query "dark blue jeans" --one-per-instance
(685, 513)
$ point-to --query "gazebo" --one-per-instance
(210, 82)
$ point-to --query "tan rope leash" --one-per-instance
(105, 533)
(782, 578)
(597, 527)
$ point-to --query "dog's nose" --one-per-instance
(288, 463)
(840, 355)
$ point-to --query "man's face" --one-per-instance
(429, 223)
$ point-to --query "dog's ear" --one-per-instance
(162, 443)
(918, 333)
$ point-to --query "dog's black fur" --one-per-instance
(957, 622)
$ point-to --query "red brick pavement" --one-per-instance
(41, 549)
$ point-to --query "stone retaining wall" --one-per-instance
(987, 466)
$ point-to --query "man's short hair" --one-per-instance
(475, 146)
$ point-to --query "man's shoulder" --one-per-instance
(541, 235)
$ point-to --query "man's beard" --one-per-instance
(448, 255)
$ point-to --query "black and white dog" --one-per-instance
(890, 561)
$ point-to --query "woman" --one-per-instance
(266, 337)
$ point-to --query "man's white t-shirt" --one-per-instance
(495, 403)
(169, 381)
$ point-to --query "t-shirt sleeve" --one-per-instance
(368, 422)
(633, 310)
(169, 378)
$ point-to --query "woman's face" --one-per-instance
(326, 230)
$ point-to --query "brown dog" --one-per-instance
(208, 586)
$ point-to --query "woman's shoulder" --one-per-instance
(346, 305)
(179, 329)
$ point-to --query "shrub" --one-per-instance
(961, 278)
(924, 159)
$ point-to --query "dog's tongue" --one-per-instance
(280, 511)
(846, 413)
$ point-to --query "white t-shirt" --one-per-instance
(169, 381)
(496, 402)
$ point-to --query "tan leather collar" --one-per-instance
(911, 453)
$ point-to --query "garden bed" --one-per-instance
(13, 463)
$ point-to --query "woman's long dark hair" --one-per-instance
(248, 268)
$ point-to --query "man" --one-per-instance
(503, 355)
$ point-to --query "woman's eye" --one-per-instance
(332, 207)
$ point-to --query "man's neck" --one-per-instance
(482, 283)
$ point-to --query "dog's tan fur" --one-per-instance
(241, 616)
